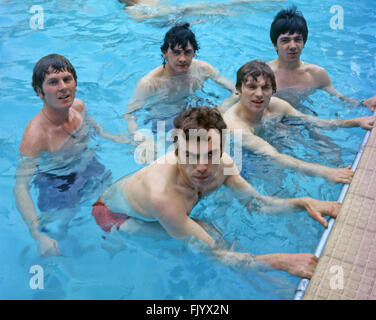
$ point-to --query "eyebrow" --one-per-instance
(291, 37)
(64, 77)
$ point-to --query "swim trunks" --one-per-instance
(58, 192)
(105, 218)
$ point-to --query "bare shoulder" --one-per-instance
(153, 74)
(203, 66)
(318, 73)
(272, 64)
(230, 116)
(278, 105)
(314, 69)
(151, 81)
(78, 105)
(34, 140)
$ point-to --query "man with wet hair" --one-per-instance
(179, 76)
(289, 33)
(256, 84)
(161, 196)
(55, 157)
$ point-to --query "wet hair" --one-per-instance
(288, 20)
(129, 2)
(199, 118)
(254, 69)
(179, 35)
(54, 61)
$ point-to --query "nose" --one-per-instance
(258, 92)
(182, 57)
(201, 168)
(62, 85)
(292, 44)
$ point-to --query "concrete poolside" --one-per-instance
(347, 267)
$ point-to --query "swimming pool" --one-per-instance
(110, 53)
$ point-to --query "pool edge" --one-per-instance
(340, 274)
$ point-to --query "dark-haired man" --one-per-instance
(180, 75)
(289, 33)
(165, 192)
(54, 150)
(256, 84)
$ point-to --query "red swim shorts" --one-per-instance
(105, 218)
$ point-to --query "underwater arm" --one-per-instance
(225, 83)
(137, 102)
(325, 83)
(25, 205)
(260, 146)
(122, 138)
(183, 227)
(366, 123)
(248, 196)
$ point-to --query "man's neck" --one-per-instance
(183, 181)
(56, 117)
(249, 116)
(288, 65)
(169, 72)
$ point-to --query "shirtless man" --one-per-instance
(256, 84)
(288, 34)
(54, 150)
(167, 190)
(173, 82)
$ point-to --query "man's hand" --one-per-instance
(318, 209)
(146, 151)
(366, 122)
(370, 103)
(298, 264)
(340, 175)
(47, 246)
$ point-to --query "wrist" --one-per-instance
(35, 233)
(299, 203)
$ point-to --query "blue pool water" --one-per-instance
(111, 52)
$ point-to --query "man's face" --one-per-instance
(255, 94)
(199, 160)
(179, 59)
(59, 89)
(290, 46)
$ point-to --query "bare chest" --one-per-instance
(298, 79)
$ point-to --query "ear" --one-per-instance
(40, 93)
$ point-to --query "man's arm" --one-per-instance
(25, 205)
(248, 196)
(175, 221)
(362, 122)
(260, 146)
(122, 138)
(225, 83)
(139, 99)
(325, 83)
